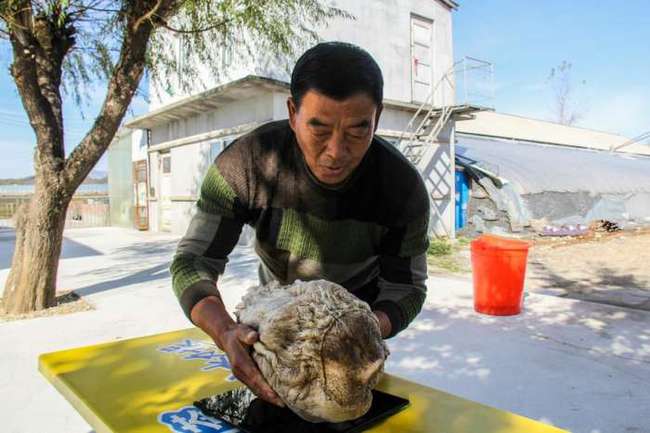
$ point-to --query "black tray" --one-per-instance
(242, 409)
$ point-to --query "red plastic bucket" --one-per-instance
(498, 271)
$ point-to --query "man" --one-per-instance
(327, 200)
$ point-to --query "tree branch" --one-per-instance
(121, 88)
(164, 24)
(147, 16)
(40, 43)
(29, 79)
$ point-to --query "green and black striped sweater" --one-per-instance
(369, 234)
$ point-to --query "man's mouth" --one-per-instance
(333, 170)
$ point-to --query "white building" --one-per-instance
(411, 40)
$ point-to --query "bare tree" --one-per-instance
(63, 46)
(565, 110)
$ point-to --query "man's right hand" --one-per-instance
(235, 340)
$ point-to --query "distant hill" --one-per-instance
(22, 181)
(95, 177)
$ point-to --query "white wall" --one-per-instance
(259, 108)
(189, 165)
(437, 168)
(154, 182)
(191, 156)
(138, 145)
(382, 27)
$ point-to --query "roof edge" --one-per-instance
(451, 4)
(248, 79)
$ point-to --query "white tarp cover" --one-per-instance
(535, 168)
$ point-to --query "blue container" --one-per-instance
(462, 198)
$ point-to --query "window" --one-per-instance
(167, 164)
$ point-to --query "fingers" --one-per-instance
(247, 335)
(261, 388)
(244, 368)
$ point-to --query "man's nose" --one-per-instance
(336, 146)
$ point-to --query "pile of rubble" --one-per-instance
(597, 226)
(604, 226)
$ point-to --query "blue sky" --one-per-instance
(607, 43)
(16, 135)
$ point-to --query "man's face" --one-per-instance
(333, 135)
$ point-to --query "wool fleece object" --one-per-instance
(319, 348)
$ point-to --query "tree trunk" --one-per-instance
(39, 48)
(31, 284)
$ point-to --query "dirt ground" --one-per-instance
(609, 268)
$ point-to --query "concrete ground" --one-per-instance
(578, 365)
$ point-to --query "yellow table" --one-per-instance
(148, 384)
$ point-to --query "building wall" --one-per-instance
(127, 147)
(175, 193)
(189, 165)
(256, 109)
(120, 181)
(154, 191)
(171, 208)
(437, 168)
(382, 27)
(138, 145)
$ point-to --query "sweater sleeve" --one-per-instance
(221, 211)
(403, 265)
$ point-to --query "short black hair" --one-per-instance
(337, 70)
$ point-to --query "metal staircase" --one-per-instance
(425, 126)
(425, 134)
(423, 143)
(429, 120)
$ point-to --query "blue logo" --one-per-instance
(191, 420)
(198, 349)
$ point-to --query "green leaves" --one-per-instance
(193, 39)
(207, 34)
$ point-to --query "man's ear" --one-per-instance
(380, 107)
(291, 109)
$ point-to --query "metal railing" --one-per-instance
(639, 139)
(425, 126)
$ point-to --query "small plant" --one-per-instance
(439, 247)
(448, 256)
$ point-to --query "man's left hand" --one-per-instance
(384, 323)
